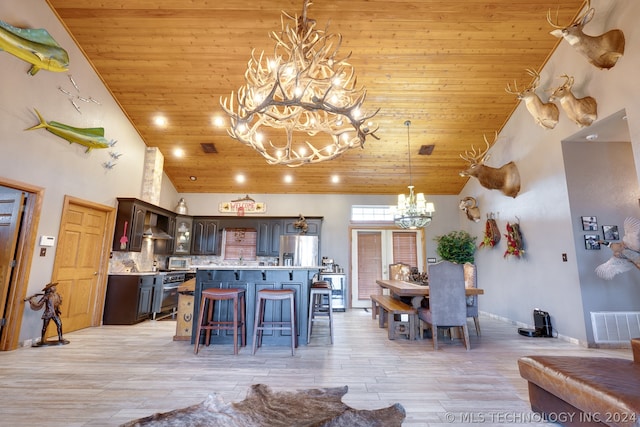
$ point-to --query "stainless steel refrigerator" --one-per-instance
(299, 251)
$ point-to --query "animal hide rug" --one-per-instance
(264, 407)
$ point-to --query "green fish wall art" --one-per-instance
(35, 46)
(88, 137)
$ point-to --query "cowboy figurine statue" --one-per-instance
(51, 302)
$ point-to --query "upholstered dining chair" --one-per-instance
(399, 271)
(471, 281)
(447, 301)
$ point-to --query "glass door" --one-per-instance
(373, 250)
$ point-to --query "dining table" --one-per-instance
(401, 288)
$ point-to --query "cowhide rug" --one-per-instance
(264, 407)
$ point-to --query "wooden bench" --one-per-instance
(587, 391)
(387, 308)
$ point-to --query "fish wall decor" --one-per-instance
(35, 46)
(88, 137)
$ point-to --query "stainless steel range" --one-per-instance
(165, 296)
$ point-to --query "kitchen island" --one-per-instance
(252, 279)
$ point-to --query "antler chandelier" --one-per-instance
(304, 90)
(412, 211)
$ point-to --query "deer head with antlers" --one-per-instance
(583, 111)
(546, 114)
(505, 178)
(603, 51)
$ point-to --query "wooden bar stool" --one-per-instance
(319, 310)
(208, 324)
(261, 325)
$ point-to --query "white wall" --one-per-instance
(514, 287)
(42, 159)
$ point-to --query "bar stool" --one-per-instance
(208, 324)
(261, 325)
(319, 310)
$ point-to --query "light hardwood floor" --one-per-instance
(112, 374)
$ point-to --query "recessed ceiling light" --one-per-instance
(288, 179)
(178, 152)
(160, 121)
(218, 121)
(335, 179)
(193, 178)
(592, 137)
(240, 178)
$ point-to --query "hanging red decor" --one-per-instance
(491, 233)
(514, 241)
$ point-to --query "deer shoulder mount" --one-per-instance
(582, 111)
(469, 206)
(603, 51)
(546, 114)
(505, 178)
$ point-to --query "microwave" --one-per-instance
(179, 263)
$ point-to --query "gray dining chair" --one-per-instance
(471, 281)
(447, 301)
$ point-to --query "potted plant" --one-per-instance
(456, 246)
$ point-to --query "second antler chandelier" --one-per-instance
(304, 91)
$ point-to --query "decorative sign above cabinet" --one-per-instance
(244, 205)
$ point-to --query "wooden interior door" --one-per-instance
(11, 203)
(80, 266)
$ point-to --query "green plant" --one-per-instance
(456, 246)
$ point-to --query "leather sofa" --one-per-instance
(584, 391)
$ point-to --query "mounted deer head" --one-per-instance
(546, 114)
(470, 207)
(505, 178)
(602, 51)
(583, 111)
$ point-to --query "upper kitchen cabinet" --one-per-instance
(205, 236)
(182, 237)
(313, 226)
(137, 219)
(269, 232)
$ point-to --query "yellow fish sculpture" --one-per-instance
(88, 137)
(35, 46)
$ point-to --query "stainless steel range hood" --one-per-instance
(152, 231)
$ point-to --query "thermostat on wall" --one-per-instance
(47, 240)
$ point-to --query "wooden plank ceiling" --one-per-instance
(443, 64)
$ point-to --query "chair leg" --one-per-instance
(235, 325)
(465, 336)
(434, 336)
(476, 321)
(256, 323)
(293, 326)
(199, 328)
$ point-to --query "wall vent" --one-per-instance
(615, 327)
(208, 148)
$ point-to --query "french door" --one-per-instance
(372, 250)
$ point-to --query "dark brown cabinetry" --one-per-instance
(313, 226)
(205, 237)
(129, 298)
(182, 236)
(269, 232)
(137, 215)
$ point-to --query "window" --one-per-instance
(371, 213)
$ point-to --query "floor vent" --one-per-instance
(615, 326)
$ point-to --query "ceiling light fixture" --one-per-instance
(412, 211)
(304, 91)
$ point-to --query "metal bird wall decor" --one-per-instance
(626, 254)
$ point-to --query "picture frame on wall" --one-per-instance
(610, 232)
(589, 223)
(591, 242)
